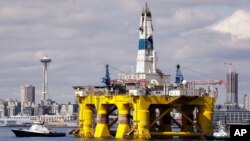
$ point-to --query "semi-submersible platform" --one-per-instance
(142, 105)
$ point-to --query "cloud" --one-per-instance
(236, 25)
(15, 15)
(185, 19)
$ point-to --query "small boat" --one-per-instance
(221, 134)
(37, 129)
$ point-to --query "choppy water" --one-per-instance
(7, 135)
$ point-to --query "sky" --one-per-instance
(81, 37)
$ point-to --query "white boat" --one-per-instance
(221, 134)
(37, 129)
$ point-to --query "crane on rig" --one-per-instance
(179, 79)
(207, 82)
(106, 79)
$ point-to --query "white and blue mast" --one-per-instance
(146, 57)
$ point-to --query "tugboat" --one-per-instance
(221, 134)
(38, 129)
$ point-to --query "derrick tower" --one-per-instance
(146, 58)
(45, 61)
(146, 64)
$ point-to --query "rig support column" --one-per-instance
(141, 119)
(101, 129)
(205, 115)
(87, 128)
(123, 120)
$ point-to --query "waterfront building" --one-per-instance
(9, 107)
(28, 111)
(13, 107)
(247, 102)
(3, 108)
(49, 120)
(55, 108)
(231, 115)
(38, 111)
(68, 109)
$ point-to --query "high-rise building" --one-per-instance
(27, 96)
(232, 88)
(247, 102)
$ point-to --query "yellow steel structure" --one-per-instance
(141, 105)
(136, 116)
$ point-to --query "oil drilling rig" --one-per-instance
(140, 105)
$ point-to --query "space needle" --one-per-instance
(45, 61)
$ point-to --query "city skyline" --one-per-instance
(83, 36)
